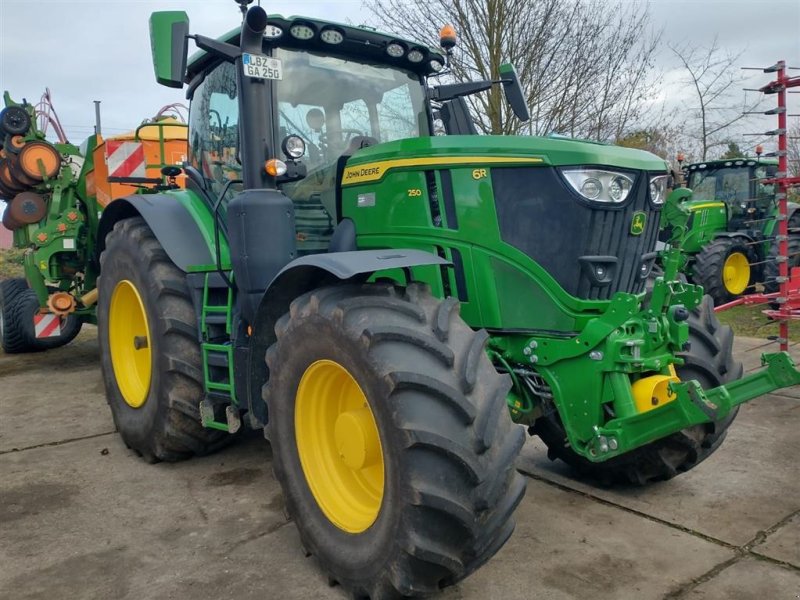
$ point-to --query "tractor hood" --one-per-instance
(545, 151)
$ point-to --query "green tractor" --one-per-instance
(731, 243)
(379, 300)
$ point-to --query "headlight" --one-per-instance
(395, 50)
(416, 55)
(599, 185)
(331, 36)
(301, 32)
(658, 189)
(293, 146)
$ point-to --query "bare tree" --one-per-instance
(585, 66)
(716, 83)
(660, 140)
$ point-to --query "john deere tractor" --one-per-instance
(386, 304)
(731, 244)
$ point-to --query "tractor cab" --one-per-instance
(327, 91)
(738, 184)
(730, 234)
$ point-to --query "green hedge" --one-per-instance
(10, 263)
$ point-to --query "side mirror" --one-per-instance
(513, 91)
(169, 39)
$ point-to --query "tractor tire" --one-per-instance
(710, 266)
(14, 120)
(18, 305)
(145, 305)
(13, 335)
(771, 271)
(710, 361)
(434, 416)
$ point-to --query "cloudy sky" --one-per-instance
(86, 50)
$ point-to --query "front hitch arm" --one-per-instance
(691, 406)
(716, 403)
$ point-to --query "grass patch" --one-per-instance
(10, 263)
(749, 321)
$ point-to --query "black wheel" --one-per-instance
(771, 271)
(391, 438)
(723, 268)
(18, 305)
(710, 361)
(150, 354)
(15, 337)
(15, 120)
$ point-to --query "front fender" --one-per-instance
(303, 275)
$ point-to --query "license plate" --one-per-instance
(261, 67)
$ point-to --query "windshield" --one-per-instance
(338, 106)
(732, 185)
(328, 101)
(725, 185)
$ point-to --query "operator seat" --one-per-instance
(343, 238)
(356, 143)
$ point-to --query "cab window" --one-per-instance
(214, 129)
(337, 106)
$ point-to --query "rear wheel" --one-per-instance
(771, 268)
(18, 305)
(710, 361)
(391, 438)
(150, 355)
(723, 268)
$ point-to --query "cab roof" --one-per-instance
(359, 41)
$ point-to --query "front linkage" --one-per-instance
(614, 385)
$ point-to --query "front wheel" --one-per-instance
(391, 438)
(710, 361)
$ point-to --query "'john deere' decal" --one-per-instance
(638, 222)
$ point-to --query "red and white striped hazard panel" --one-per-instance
(47, 325)
(125, 159)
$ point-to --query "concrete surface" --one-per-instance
(81, 517)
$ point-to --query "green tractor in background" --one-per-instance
(379, 300)
(731, 242)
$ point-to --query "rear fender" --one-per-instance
(181, 221)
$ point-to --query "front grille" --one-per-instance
(570, 237)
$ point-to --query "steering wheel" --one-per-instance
(347, 135)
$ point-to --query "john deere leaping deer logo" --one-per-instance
(638, 222)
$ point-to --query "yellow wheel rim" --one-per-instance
(339, 446)
(129, 342)
(736, 273)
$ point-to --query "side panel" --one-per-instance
(707, 221)
(181, 221)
